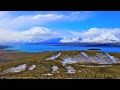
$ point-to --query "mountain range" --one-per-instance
(102, 38)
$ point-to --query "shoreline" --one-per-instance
(89, 50)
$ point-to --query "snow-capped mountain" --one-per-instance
(102, 38)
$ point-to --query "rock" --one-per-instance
(54, 57)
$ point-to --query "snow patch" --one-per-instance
(84, 54)
(70, 70)
(32, 67)
(68, 60)
(47, 74)
(113, 60)
(54, 57)
(82, 57)
(99, 58)
(96, 66)
(55, 69)
(19, 68)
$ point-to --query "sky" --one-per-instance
(42, 25)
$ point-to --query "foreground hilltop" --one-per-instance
(59, 65)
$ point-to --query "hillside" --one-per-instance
(48, 65)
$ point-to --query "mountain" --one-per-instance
(49, 41)
(3, 47)
(54, 40)
(102, 38)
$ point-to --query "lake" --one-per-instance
(47, 47)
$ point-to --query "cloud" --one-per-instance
(95, 32)
(4, 13)
(34, 34)
(26, 26)
(39, 34)
(27, 20)
(10, 20)
(10, 36)
(78, 16)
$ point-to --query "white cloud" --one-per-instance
(27, 20)
(77, 16)
(95, 32)
(6, 35)
(4, 13)
(35, 31)
(12, 26)
(39, 34)
(34, 34)
(10, 21)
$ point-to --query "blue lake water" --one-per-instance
(43, 48)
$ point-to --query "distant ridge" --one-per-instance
(3, 47)
(49, 41)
